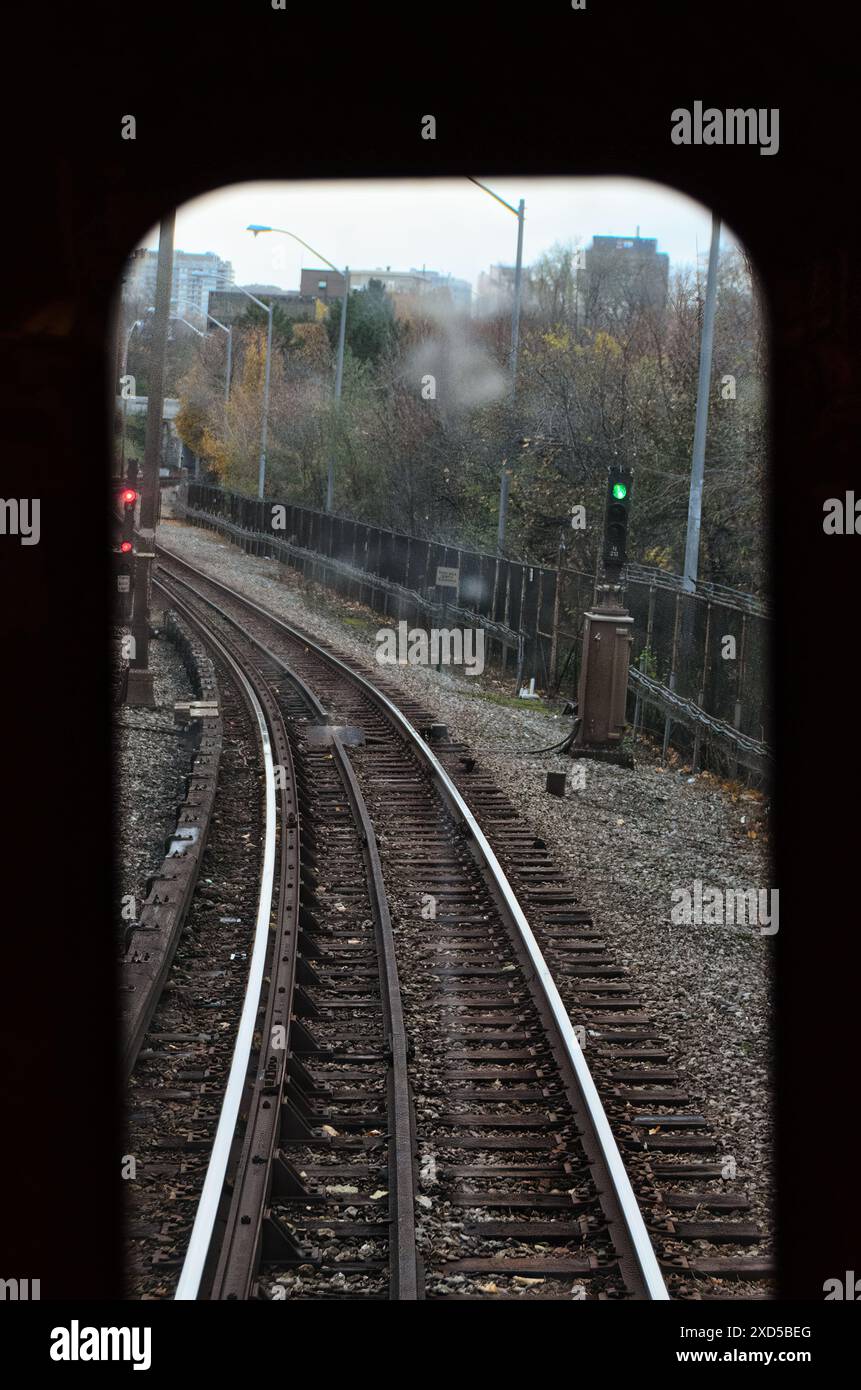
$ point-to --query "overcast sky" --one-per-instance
(447, 225)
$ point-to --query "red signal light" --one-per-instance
(128, 496)
(125, 547)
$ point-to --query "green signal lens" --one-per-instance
(620, 490)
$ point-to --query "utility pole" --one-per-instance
(512, 367)
(695, 501)
(505, 475)
(139, 683)
(515, 312)
(339, 378)
(261, 476)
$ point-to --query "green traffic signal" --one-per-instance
(620, 490)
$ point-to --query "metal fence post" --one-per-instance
(554, 639)
(702, 690)
(739, 685)
(672, 680)
(647, 647)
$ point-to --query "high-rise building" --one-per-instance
(195, 275)
(621, 276)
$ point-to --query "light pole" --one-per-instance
(695, 498)
(256, 228)
(339, 377)
(520, 214)
(177, 318)
(264, 428)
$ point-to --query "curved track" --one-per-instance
(474, 969)
(232, 1234)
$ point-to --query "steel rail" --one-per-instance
(404, 1262)
(638, 1236)
(248, 1222)
(151, 942)
(188, 1286)
(404, 1258)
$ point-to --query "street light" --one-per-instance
(519, 213)
(257, 228)
(695, 498)
(177, 318)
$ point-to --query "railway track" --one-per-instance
(561, 1213)
(501, 1176)
(177, 1043)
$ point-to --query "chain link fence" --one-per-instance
(699, 677)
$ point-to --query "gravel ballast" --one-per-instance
(630, 839)
(151, 754)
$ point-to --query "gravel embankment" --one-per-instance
(630, 838)
(151, 754)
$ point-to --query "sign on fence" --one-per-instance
(446, 576)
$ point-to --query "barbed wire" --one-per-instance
(686, 712)
(718, 593)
